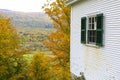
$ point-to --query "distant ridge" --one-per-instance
(5, 10)
(28, 19)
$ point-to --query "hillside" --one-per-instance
(28, 19)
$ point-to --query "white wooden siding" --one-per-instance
(97, 63)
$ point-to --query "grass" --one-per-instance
(29, 57)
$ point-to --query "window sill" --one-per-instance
(92, 45)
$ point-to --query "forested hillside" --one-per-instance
(28, 19)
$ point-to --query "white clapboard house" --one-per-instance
(95, 39)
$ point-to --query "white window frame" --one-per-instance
(87, 28)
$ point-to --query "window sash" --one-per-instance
(92, 23)
(91, 37)
(91, 30)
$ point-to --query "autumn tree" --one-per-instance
(39, 68)
(8, 36)
(12, 62)
(59, 41)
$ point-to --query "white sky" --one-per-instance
(22, 5)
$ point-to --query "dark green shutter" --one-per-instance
(83, 30)
(99, 30)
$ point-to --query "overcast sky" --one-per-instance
(22, 5)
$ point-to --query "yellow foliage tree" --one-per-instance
(9, 39)
(59, 41)
(39, 68)
(11, 60)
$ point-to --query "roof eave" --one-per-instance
(71, 2)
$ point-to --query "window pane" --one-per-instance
(92, 19)
(92, 26)
(94, 33)
(89, 20)
(89, 39)
(90, 33)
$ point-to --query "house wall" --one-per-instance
(97, 63)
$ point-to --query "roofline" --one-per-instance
(68, 2)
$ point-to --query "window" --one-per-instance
(92, 30)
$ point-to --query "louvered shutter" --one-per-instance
(83, 30)
(99, 30)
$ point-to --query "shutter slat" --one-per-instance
(83, 30)
(99, 30)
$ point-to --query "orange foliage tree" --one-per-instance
(59, 41)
